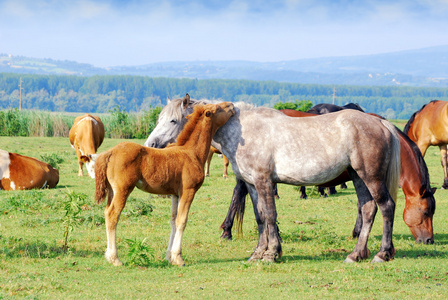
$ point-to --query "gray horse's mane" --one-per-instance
(174, 111)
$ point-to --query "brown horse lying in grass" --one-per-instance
(177, 170)
(19, 172)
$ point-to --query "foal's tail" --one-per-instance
(101, 181)
(394, 168)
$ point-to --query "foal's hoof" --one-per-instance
(113, 259)
(176, 260)
(116, 262)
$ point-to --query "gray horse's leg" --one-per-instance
(387, 207)
(378, 192)
(367, 212)
(269, 247)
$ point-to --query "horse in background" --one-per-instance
(213, 150)
(177, 170)
(258, 143)
(326, 108)
(319, 109)
(19, 172)
(86, 136)
(429, 127)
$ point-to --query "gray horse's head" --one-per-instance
(171, 121)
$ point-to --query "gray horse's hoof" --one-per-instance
(377, 259)
(349, 260)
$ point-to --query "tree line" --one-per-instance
(100, 94)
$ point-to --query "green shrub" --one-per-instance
(303, 105)
(52, 159)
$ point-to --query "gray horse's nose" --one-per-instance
(152, 144)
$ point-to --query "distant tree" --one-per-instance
(303, 105)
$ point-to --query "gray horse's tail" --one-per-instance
(394, 168)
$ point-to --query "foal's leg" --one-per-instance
(181, 221)
(444, 165)
(174, 206)
(112, 215)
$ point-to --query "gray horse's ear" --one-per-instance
(186, 101)
(168, 100)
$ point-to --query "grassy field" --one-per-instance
(316, 239)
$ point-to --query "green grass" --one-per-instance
(316, 239)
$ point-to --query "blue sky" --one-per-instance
(112, 33)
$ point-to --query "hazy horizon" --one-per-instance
(114, 33)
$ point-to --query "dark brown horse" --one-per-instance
(414, 180)
(325, 108)
(429, 127)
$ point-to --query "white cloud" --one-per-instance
(108, 33)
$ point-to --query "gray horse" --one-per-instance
(265, 147)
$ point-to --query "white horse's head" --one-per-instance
(171, 121)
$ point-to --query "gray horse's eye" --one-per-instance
(173, 121)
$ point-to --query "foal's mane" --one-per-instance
(189, 127)
(412, 118)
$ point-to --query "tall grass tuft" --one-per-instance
(118, 123)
